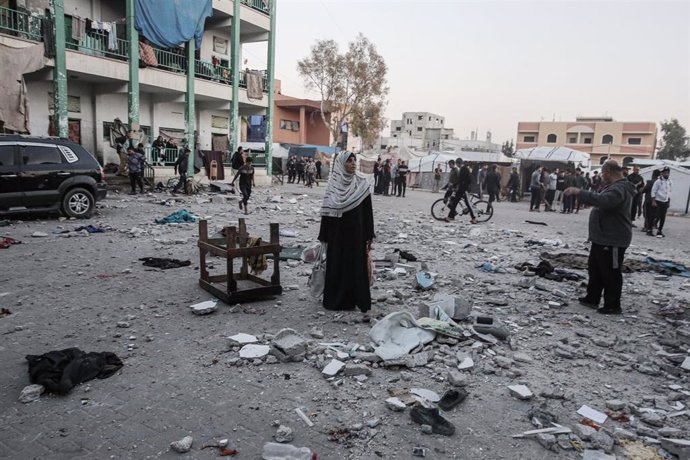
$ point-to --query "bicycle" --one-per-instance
(483, 210)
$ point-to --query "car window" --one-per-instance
(41, 155)
(6, 155)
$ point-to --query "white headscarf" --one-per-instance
(344, 191)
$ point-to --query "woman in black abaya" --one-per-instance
(347, 225)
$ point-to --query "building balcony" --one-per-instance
(96, 44)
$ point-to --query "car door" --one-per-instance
(10, 194)
(42, 172)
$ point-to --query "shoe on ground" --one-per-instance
(649, 233)
(610, 311)
(587, 303)
(660, 235)
(452, 398)
(432, 416)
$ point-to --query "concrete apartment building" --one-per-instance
(600, 137)
(415, 126)
(102, 73)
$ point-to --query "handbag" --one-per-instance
(317, 279)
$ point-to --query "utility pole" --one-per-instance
(60, 72)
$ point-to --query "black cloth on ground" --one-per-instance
(164, 263)
(347, 274)
(545, 270)
(406, 255)
(61, 370)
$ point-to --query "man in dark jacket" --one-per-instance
(649, 213)
(638, 183)
(180, 167)
(292, 169)
(492, 181)
(461, 188)
(301, 164)
(610, 232)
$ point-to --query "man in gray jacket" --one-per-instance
(610, 232)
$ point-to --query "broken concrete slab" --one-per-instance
(395, 404)
(592, 414)
(204, 308)
(290, 344)
(253, 351)
(584, 432)
(686, 364)
(241, 339)
(276, 451)
(31, 393)
(679, 447)
(356, 369)
(521, 392)
(425, 394)
(183, 445)
(283, 434)
(466, 364)
(332, 368)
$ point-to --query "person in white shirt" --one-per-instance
(551, 190)
(661, 199)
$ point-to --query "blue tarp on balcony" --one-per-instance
(170, 23)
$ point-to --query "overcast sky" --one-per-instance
(488, 64)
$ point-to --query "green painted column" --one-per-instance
(60, 72)
(234, 119)
(189, 112)
(271, 87)
(133, 86)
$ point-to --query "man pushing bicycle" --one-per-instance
(459, 184)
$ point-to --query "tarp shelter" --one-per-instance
(680, 186)
(551, 158)
(169, 24)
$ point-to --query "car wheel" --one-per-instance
(79, 203)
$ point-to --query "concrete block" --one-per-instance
(395, 404)
(584, 432)
(289, 342)
(333, 368)
(253, 351)
(356, 369)
(521, 392)
(679, 447)
(616, 404)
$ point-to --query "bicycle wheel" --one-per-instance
(483, 210)
(439, 210)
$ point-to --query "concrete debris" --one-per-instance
(585, 432)
(283, 434)
(520, 392)
(679, 447)
(425, 395)
(288, 345)
(253, 351)
(183, 445)
(333, 368)
(592, 414)
(204, 308)
(31, 393)
(276, 451)
(466, 363)
(589, 454)
(241, 339)
(395, 404)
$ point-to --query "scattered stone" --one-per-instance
(520, 392)
(522, 358)
(31, 393)
(253, 351)
(39, 234)
(547, 440)
(466, 363)
(456, 378)
(356, 369)
(395, 404)
(427, 429)
(289, 345)
(502, 361)
(602, 441)
(686, 364)
(241, 339)
(283, 434)
(653, 419)
(333, 368)
(584, 432)
(316, 333)
(374, 422)
(418, 451)
(183, 445)
(622, 433)
(425, 394)
(616, 404)
(204, 308)
(590, 454)
(679, 447)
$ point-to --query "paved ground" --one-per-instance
(179, 379)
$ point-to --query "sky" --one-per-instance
(486, 65)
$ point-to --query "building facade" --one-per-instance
(414, 127)
(298, 121)
(602, 138)
(102, 59)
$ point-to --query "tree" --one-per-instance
(673, 142)
(507, 148)
(352, 86)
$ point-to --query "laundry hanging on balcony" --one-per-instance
(170, 23)
(14, 103)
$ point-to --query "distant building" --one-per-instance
(601, 137)
(419, 126)
(471, 144)
(298, 121)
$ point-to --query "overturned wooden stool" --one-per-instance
(235, 243)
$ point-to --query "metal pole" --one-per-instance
(189, 113)
(271, 88)
(133, 85)
(234, 122)
(60, 72)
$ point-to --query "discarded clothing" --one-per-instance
(406, 255)
(90, 229)
(397, 334)
(146, 54)
(177, 218)
(668, 267)
(255, 85)
(164, 263)
(579, 261)
(545, 270)
(491, 267)
(61, 370)
(7, 242)
(544, 242)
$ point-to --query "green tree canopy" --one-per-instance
(673, 141)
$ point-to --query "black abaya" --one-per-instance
(347, 274)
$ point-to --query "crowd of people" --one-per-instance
(390, 178)
(305, 170)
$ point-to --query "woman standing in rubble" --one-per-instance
(347, 226)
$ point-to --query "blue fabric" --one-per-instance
(669, 267)
(170, 23)
(178, 217)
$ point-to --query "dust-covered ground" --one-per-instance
(181, 377)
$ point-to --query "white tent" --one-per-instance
(680, 187)
(560, 154)
(429, 162)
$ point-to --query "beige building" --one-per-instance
(600, 137)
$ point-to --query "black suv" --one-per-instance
(48, 174)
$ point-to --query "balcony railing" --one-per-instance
(260, 5)
(20, 24)
(96, 43)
